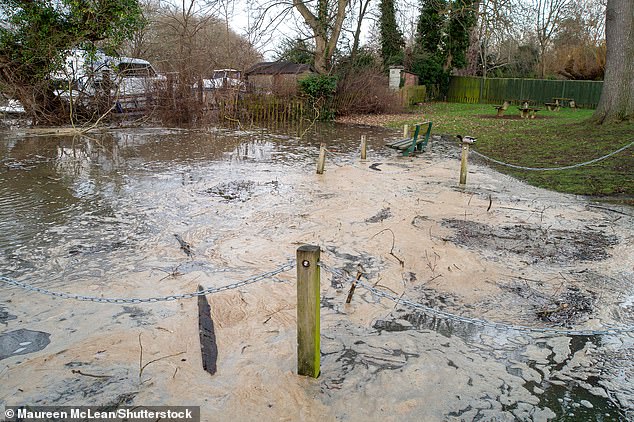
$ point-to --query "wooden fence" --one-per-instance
(263, 109)
(464, 89)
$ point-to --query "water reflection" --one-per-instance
(98, 193)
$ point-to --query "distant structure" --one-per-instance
(279, 78)
(395, 77)
(397, 74)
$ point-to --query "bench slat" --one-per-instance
(413, 144)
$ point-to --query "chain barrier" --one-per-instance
(473, 321)
(290, 265)
(210, 290)
(553, 168)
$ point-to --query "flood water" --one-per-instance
(90, 213)
(67, 203)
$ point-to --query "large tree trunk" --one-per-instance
(473, 52)
(617, 97)
(325, 32)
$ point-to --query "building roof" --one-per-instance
(279, 68)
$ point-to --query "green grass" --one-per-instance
(553, 139)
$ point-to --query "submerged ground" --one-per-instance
(97, 217)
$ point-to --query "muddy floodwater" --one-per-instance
(463, 313)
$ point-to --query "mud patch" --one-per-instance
(384, 214)
(106, 392)
(5, 316)
(537, 243)
(572, 307)
(136, 314)
(22, 342)
(512, 117)
(234, 191)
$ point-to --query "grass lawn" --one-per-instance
(553, 139)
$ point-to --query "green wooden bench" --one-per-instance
(411, 145)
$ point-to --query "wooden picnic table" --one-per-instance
(564, 102)
(501, 108)
(528, 112)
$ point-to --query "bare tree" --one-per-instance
(360, 17)
(494, 31)
(547, 18)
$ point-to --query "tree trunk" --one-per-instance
(474, 44)
(617, 97)
(326, 33)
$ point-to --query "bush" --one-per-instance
(366, 91)
(320, 90)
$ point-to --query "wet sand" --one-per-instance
(401, 225)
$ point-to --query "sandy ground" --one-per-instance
(497, 249)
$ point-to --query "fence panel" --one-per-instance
(466, 89)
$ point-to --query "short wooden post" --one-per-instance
(308, 296)
(405, 131)
(364, 147)
(321, 163)
(463, 163)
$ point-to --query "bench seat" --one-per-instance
(411, 145)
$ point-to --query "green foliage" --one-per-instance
(320, 91)
(462, 19)
(430, 27)
(296, 51)
(430, 50)
(38, 35)
(39, 32)
(363, 59)
(442, 39)
(392, 43)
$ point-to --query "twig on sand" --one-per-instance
(77, 371)
(432, 266)
(434, 278)
(385, 287)
(353, 287)
(142, 366)
(173, 273)
(392, 248)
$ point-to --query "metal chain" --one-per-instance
(474, 321)
(553, 168)
(210, 290)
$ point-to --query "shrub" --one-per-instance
(366, 91)
(320, 91)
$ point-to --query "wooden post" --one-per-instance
(321, 163)
(364, 147)
(405, 131)
(463, 163)
(308, 296)
(466, 141)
